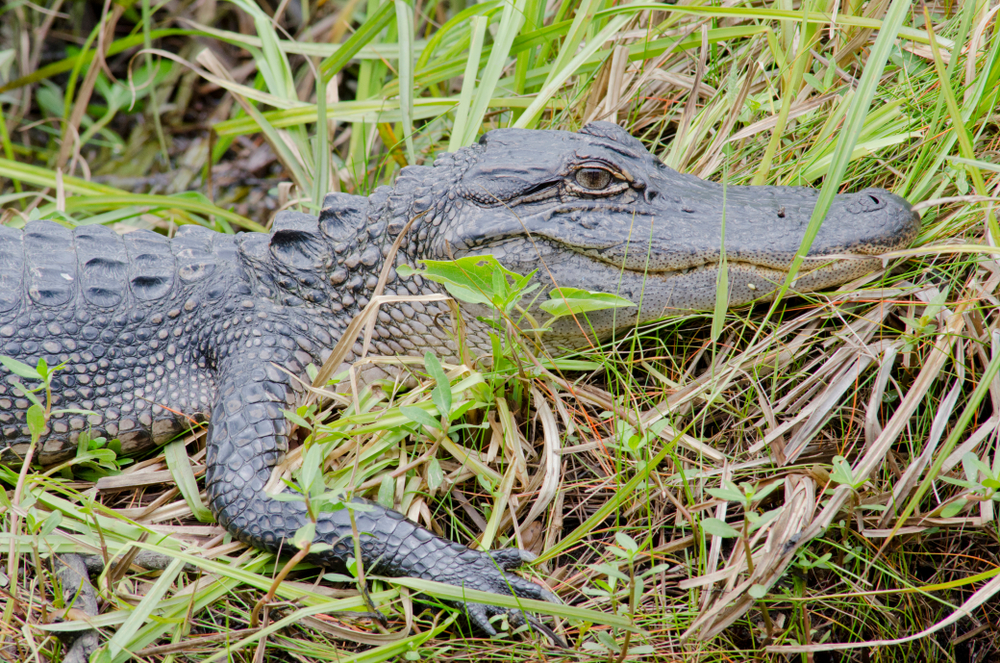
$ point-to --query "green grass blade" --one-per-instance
(582, 21)
(722, 279)
(102, 196)
(958, 126)
(958, 432)
(121, 640)
(457, 22)
(790, 88)
(366, 33)
(454, 593)
(321, 181)
(510, 24)
(919, 170)
(180, 466)
(530, 117)
(404, 28)
(477, 26)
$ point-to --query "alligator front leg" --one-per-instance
(246, 438)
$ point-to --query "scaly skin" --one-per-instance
(198, 325)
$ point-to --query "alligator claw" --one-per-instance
(487, 572)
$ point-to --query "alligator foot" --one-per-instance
(488, 572)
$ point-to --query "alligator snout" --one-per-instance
(871, 221)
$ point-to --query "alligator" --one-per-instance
(156, 333)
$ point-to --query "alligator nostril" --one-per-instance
(874, 199)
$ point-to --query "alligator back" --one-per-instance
(124, 315)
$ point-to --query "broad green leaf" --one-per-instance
(36, 420)
(441, 397)
(435, 475)
(304, 535)
(436, 371)
(20, 369)
(759, 521)
(727, 494)
(570, 301)
(972, 466)
(717, 527)
(420, 416)
(50, 523)
(626, 542)
(471, 279)
(297, 418)
(952, 509)
(842, 472)
(29, 394)
(761, 493)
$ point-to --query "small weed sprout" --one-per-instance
(483, 280)
(39, 413)
(926, 324)
(310, 485)
(632, 583)
(987, 488)
(843, 474)
(746, 495)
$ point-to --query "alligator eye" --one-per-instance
(593, 178)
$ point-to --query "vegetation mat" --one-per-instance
(811, 480)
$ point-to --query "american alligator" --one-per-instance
(157, 333)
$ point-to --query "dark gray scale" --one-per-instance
(296, 243)
(194, 253)
(300, 257)
(103, 266)
(342, 215)
(151, 264)
(48, 252)
(11, 267)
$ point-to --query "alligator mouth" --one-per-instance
(818, 263)
(696, 287)
(769, 270)
(768, 276)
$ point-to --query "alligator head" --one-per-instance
(595, 210)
